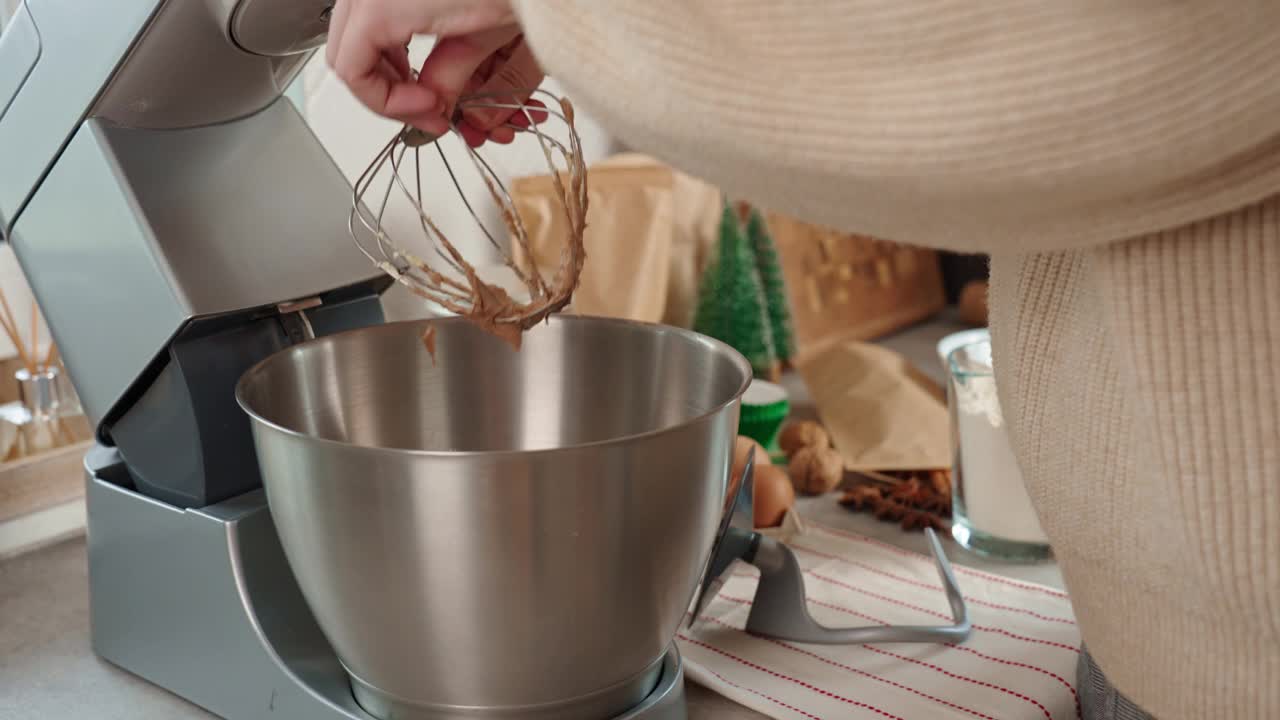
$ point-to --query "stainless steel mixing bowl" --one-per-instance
(498, 533)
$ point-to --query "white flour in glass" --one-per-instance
(992, 492)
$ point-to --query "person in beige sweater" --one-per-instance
(1120, 163)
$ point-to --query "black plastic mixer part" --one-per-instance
(181, 433)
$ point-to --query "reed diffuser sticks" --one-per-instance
(41, 431)
(28, 353)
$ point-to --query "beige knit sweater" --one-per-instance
(1120, 160)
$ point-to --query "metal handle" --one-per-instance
(780, 609)
(293, 317)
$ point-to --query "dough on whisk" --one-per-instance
(429, 341)
(487, 306)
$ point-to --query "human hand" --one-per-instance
(479, 50)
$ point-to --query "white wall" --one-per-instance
(353, 136)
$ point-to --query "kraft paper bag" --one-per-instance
(648, 236)
(696, 217)
(881, 411)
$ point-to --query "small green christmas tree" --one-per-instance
(731, 302)
(774, 286)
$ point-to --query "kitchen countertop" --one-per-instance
(47, 669)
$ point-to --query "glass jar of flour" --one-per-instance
(992, 512)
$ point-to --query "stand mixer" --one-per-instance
(185, 234)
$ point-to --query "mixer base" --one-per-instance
(630, 693)
(202, 603)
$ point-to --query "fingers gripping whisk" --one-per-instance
(416, 168)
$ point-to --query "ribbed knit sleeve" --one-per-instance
(1000, 125)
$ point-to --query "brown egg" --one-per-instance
(802, 434)
(741, 448)
(773, 496)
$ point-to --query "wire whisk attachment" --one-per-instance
(438, 271)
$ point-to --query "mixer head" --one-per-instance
(444, 276)
(158, 191)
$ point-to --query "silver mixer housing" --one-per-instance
(166, 202)
(174, 215)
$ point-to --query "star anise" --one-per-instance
(860, 497)
(916, 500)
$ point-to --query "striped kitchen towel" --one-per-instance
(1018, 664)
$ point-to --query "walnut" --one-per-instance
(802, 434)
(816, 470)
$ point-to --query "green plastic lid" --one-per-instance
(764, 393)
(764, 406)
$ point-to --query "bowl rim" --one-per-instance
(736, 357)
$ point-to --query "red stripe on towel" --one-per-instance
(1074, 696)
(770, 698)
(937, 614)
(964, 678)
(788, 678)
(928, 586)
(958, 568)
